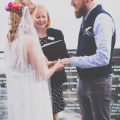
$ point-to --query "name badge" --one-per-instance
(51, 38)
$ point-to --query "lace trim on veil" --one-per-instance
(28, 86)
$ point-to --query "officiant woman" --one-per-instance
(48, 35)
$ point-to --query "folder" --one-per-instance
(52, 49)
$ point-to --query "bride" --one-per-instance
(26, 68)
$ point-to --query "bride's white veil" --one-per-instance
(27, 75)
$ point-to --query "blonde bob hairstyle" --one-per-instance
(40, 8)
(15, 18)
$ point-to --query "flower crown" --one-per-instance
(13, 7)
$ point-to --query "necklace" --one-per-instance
(43, 40)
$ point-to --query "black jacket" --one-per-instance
(58, 78)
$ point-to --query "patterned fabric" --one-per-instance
(57, 99)
(58, 104)
(43, 41)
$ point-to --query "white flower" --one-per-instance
(87, 32)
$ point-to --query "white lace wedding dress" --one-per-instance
(27, 75)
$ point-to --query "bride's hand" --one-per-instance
(50, 64)
(59, 65)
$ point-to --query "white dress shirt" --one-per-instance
(103, 30)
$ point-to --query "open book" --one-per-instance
(52, 49)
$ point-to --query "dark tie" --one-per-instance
(83, 24)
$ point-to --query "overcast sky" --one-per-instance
(62, 17)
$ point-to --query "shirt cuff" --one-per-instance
(75, 61)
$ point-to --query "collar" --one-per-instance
(86, 16)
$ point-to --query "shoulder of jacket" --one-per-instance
(53, 30)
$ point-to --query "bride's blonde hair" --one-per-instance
(15, 18)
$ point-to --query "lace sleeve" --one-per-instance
(37, 60)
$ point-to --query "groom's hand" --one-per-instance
(60, 65)
(66, 61)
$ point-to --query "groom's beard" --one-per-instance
(81, 12)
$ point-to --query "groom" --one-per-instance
(94, 59)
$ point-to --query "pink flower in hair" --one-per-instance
(10, 4)
(16, 6)
(13, 7)
(7, 8)
(19, 7)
